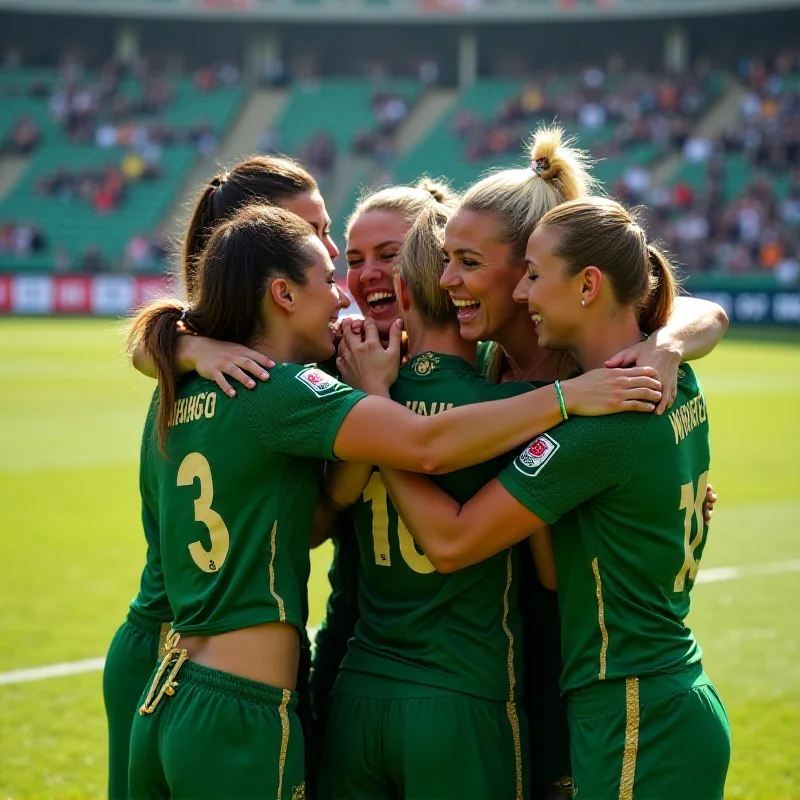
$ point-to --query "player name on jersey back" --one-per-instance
(688, 416)
(421, 407)
(202, 405)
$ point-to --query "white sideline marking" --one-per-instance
(51, 671)
(731, 573)
(712, 575)
(69, 668)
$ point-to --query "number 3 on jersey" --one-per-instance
(375, 495)
(197, 466)
(692, 506)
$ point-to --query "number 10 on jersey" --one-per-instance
(375, 496)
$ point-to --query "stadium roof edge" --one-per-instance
(359, 11)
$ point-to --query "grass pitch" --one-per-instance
(72, 413)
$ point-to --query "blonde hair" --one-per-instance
(599, 232)
(421, 264)
(410, 201)
(558, 172)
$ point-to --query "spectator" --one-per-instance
(92, 260)
(62, 260)
(24, 137)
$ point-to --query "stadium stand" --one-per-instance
(194, 117)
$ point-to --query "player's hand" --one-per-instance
(356, 322)
(214, 360)
(609, 391)
(710, 502)
(661, 354)
(363, 361)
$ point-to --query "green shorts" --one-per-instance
(129, 665)
(217, 736)
(388, 739)
(656, 738)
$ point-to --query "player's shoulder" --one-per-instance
(485, 390)
(309, 380)
(688, 380)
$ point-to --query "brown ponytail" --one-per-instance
(658, 306)
(233, 274)
(156, 328)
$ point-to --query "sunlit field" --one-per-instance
(72, 412)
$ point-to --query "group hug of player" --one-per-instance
(511, 627)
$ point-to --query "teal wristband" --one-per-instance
(561, 402)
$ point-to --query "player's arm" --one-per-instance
(552, 476)
(210, 359)
(323, 524)
(541, 546)
(345, 481)
(694, 329)
(455, 536)
(378, 431)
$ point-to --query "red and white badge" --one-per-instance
(532, 459)
(318, 381)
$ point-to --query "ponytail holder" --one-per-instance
(540, 165)
(217, 182)
(184, 311)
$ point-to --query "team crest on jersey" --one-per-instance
(425, 364)
(318, 381)
(532, 459)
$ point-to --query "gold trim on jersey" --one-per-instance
(278, 599)
(631, 739)
(601, 619)
(283, 713)
(511, 706)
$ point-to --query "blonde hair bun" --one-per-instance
(438, 190)
(558, 161)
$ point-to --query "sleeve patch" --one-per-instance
(532, 459)
(318, 381)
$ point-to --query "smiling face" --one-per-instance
(311, 207)
(481, 274)
(317, 306)
(551, 295)
(373, 245)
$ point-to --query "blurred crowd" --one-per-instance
(739, 209)
(612, 108)
(20, 239)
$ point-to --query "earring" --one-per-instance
(583, 303)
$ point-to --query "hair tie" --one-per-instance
(184, 311)
(541, 164)
(216, 182)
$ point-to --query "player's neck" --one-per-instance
(446, 340)
(603, 337)
(280, 346)
(527, 361)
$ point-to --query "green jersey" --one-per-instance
(152, 598)
(236, 497)
(459, 632)
(624, 494)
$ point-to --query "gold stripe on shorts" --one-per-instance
(278, 599)
(163, 635)
(601, 619)
(631, 739)
(283, 713)
(511, 706)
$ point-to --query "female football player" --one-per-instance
(135, 645)
(485, 245)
